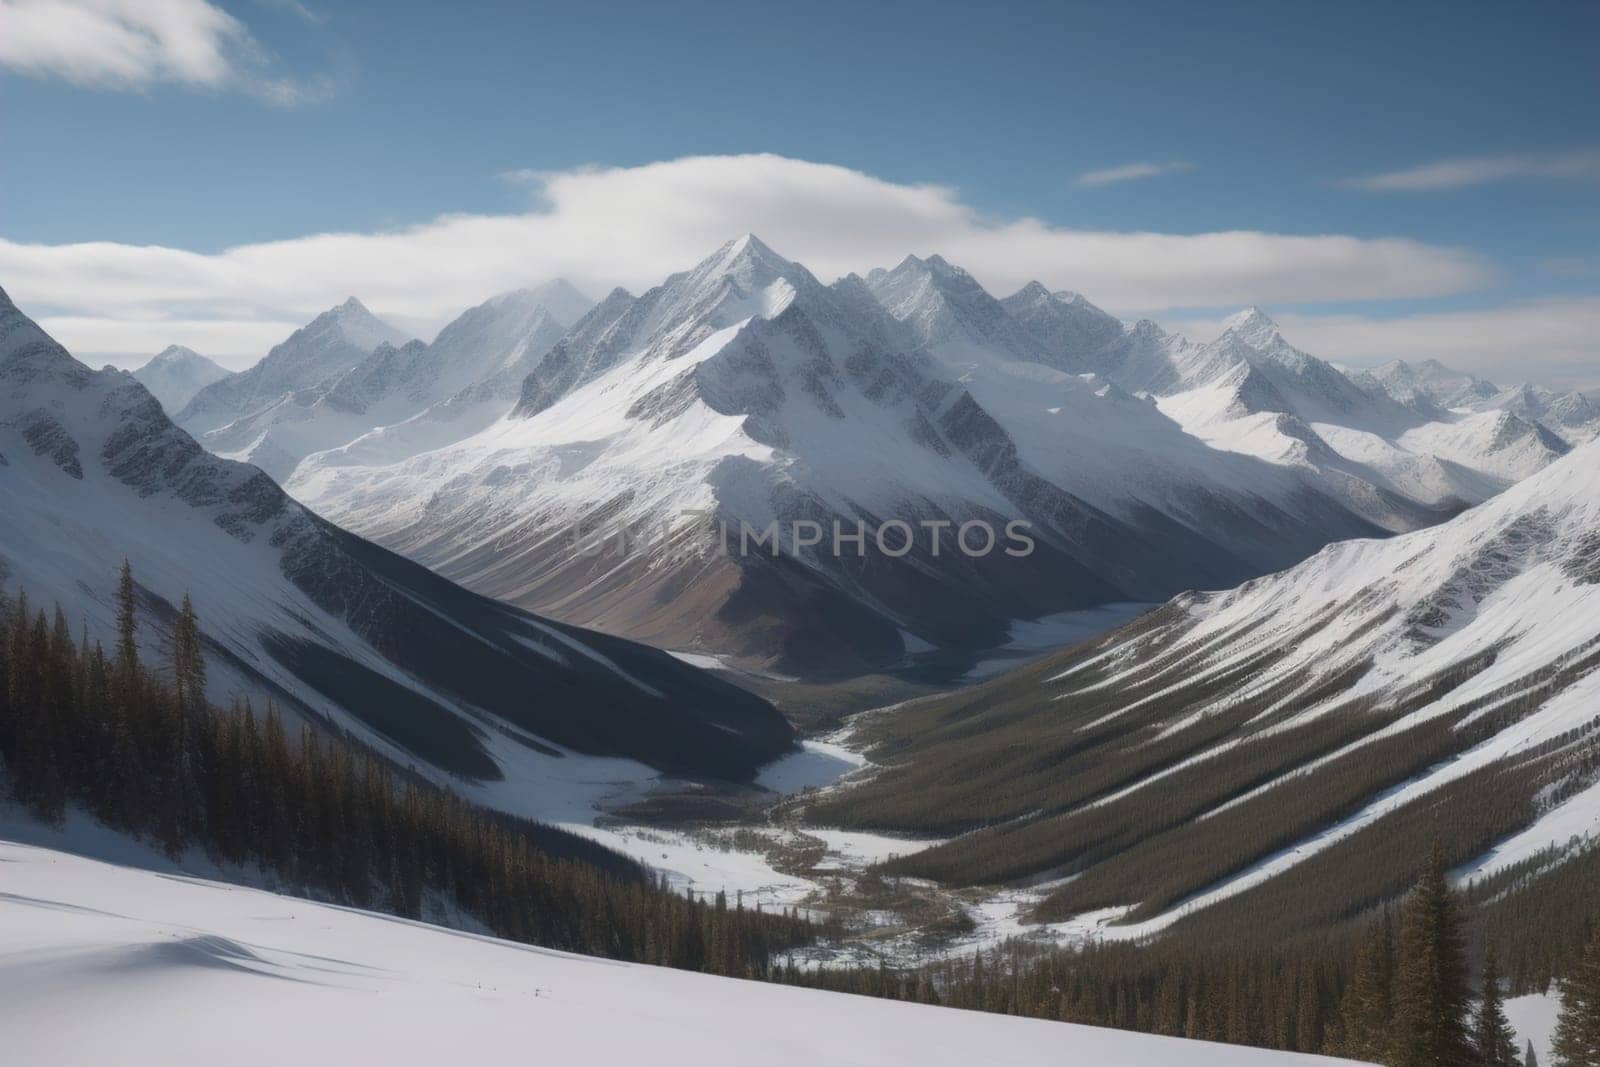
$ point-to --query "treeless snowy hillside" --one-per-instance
(104, 964)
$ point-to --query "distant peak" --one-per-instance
(749, 242)
(944, 268)
(746, 256)
(935, 266)
(351, 312)
(750, 247)
(1034, 291)
(512, 297)
(1251, 320)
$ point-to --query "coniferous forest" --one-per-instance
(139, 748)
(137, 745)
(1399, 989)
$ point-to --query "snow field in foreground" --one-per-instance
(104, 964)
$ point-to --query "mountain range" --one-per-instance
(746, 391)
(349, 373)
(338, 631)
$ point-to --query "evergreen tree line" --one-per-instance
(1394, 993)
(320, 816)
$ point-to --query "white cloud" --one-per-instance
(1482, 170)
(1130, 172)
(133, 44)
(131, 342)
(1554, 341)
(632, 226)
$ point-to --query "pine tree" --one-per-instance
(1368, 1008)
(1530, 1058)
(189, 667)
(180, 794)
(1491, 1030)
(1431, 991)
(1577, 1037)
(127, 622)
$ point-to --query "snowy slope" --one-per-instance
(176, 374)
(1518, 577)
(1534, 1018)
(102, 964)
(1521, 570)
(1486, 627)
(298, 610)
(747, 390)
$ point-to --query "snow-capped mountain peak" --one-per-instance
(741, 280)
(177, 373)
(1569, 415)
(466, 377)
(564, 301)
(748, 257)
(947, 310)
(1432, 381)
(356, 325)
(1081, 337)
(1251, 324)
(314, 355)
(173, 355)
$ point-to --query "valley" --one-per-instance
(1066, 758)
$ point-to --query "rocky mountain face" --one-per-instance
(294, 609)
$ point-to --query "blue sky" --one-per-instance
(271, 121)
